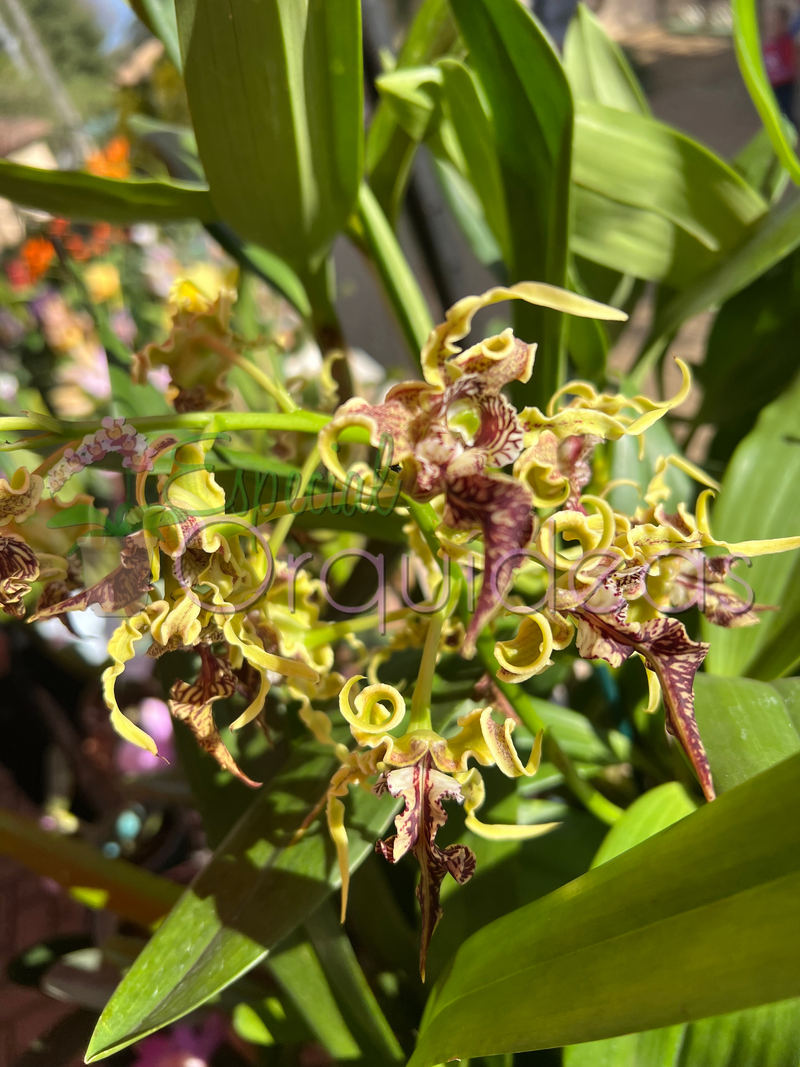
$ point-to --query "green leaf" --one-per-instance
(390, 150)
(600, 957)
(467, 111)
(532, 118)
(159, 17)
(356, 1000)
(747, 42)
(597, 68)
(469, 214)
(412, 95)
(654, 811)
(767, 1037)
(79, 195)
(399, 282)
(256, 890)
(759, 499)
(674, 175)
(116, 885)
(760, 167)
(745, 725)
(625, 463)
(752, 340)
(275, 92)
(298, 971)
(773, 238)
(637, 242)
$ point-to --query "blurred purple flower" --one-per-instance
(183, 1046)
(155, 719)
(123, 326)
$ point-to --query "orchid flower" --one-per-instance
(452, 433)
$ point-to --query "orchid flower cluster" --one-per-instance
(518, 494)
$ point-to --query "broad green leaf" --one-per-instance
(769, 1033)
(674, 175)
(597, 68)
(159, 17)
(600, 956)
(637, 242)
(753, 340)
(762, 1037)
(468, 212)
(354, 997)
(531, 112)
(745, 725)
(298, 971)
(257, 889)
(747, 42)
(655, 1048)
(773, 238)
(412, 95)
(472, 124)
(116, 885)
(653, 811)
(275, 92)
(401, 286)
(759, 165)
(390, 150)
(759, 499)
(79, 195)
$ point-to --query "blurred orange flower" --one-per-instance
(38, 253)
(112, 161)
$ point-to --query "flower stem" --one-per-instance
(284, 524)
(523, 705)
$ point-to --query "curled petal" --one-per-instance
(336, 828)
(528, 653)
(658, 491)
(474, 793)
(19, 496)
(198, 352)
(365, 712)
(121, 650)
(654, 410)
(389, 422)
(442, 342)
(19, 569)
(765, 547)
(191, 702)
(484, 740)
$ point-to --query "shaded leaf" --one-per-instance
(256, 890)
(749, 54)
(600, 956)
(597, 68)
(79, 195)
(759, 499)
(159, 17)
(275, 92)
(745, 725)
(532, 117)
(117, 885)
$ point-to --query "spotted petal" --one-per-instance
(19, 569)
(117, 591)
(674, 659)
(423, 789)
(192, 703)
(500, 507)
(442, 342)
(19, 496)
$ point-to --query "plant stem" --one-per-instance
(398, 279)
(523, 705)
(284, 524)
(274, 389)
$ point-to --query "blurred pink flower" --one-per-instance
(154, 719)
(183, 1046)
